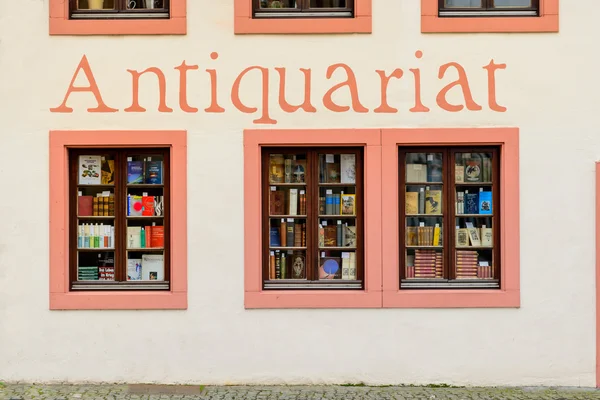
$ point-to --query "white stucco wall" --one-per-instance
(549, 88)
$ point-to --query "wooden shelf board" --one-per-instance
(324, 184)
(95, 186)
(95, 217)
(337, 248)
(474, 215)
(424, 247)
(145, 217)
(288, 184)
(147, 249)
(336, 216)
(145, 185)
(423, 215)
(473, 183)
(286, 248)
(287, 216)
(95, 249)
(474, 247)
(424, 183)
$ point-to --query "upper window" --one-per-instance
(449, 217)
(303, 8)
(312, 218)
(119, 9)
(119, 219)
(483, 8)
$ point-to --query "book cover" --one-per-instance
(276, 168)
(459, 173)
(333, 173)
(134, 239)
(348, 168)
(154, 172)
(487, 238)
(473, 170)
(339, 234)
(471, 203)
(135, 205)
(287, 167)
(283, 232)
(108, 172)
(158, 206)
(293, 206)
(330, 235)
(348, 206)
(485, 202)
(352, 273)
(275, 242)
(421, 200)
(298, 265)
(411, 236)
(153, 267)
(321, 236)
(276, 202)
(299, 172)
(134, 269)
(462, 237)
(330, 268)
(148, 206)
(433, 202)
(90, 170)
(411, 202)
(349, 236)
(135, 172)
(272, 265)
(85, 206)
(157, 236)
(434, 168)
(474, 236)
(290, 234)
(329, 202)
(416, 173)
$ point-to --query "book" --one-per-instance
(148, 206)
(293, 203)
(283, 232)
(283, 266)
(298, 265)
(134, 240)
(329, 202)
(471, 203)
(416, 173)
(321, 238)
(462, 237)
(135, 172)
(90, 170)
(333, 172)
(421, 200)
(276, 201)
(159, 206)
(302, 202)
(134, 269)
(352, 273)
(339, 234)
(154, 172)
(459, 173)
(348, 168)
(157, 236)
(272, 265)
(436, 235)
(473, 170)
(433, 202)
(336, 203)
(348, 204)
(411, 236)
(434, 168)
(277, 264)
(274, 237)
(485, 202)
(287, 168)
(349, 239)
(330, 235)
(299, 172)
(487, 238)
(411, 202)
(84, 206)
(290, 234)
(329, 267)
(276, 168)
(107, 172)
(135, 206)
(153, 267)
(474, 236)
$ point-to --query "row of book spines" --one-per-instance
(280, 265)
(337, 235)
(473, 203)
(425, 201)
(98, 236)
(103, 206)
(287, 233)
(296, 202)
(348, 270)
(466, 237)
(141, 237)
(144, 172)
(95, 273)
(424, 235)
(145, 206)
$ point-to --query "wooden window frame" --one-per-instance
(257, 297)
(449, 217)
(312, 218)
(303, 10)
(120, 11)
(61, 297)
(61, 23)
(508, 295)
(120, 219)
(547, 20)
(488, 9)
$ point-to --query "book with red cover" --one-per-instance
(148, 206)
(85, 206)
(157, 236)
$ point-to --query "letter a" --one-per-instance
(463, 82)
(351, 83)
(93, 88)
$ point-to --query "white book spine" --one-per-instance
(293, 202)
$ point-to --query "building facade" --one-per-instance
(299, 192)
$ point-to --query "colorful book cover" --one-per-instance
(135, 206)
(348, 206)
(157, 236)
(108, 172)
(471, 203)
(485, 202)
(90, 170)
(299, 172)
(135, 172)
(154, 172)
(153, 268)
(158, 206)
(148, 206)
(134, 269)
(473, 171)
(84, 206)
(276, 168)
(275, 241)
(433, 202)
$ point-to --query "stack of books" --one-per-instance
(466, 264)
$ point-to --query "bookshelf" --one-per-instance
(312, 200)
(449, 213)
(119, 219)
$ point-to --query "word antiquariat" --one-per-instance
(350, 83)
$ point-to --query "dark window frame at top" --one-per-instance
(80, 9)
(489, 9)
(302, 10)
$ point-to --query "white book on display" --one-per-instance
(348, 168)
(293, 202)
(153, 267)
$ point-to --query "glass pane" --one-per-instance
(337, 168)
(96, 170)
(95, 266)
(328, 4)
(274, 4)
(144, 4)
(423, 199)
(145, 170)
(145, 265)
(424, 232)
(462, 4)
(512, 3)
(473, 167)
(424, 167)
(96, 4)
(288, 168)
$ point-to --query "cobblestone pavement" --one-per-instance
(164, 392)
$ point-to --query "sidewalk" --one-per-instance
(156, 392)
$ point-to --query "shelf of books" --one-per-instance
(106, 182)
(429, 257)
(312, 238)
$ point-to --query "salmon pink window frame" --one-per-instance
(431, 22)
(255, 295)
(61, 298)
(60, 24)
(508, 296)
(245, 24)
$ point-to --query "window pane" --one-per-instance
(274, 4)
(328, 4)
(462, 3)
(144, 4)
(424, 167)
(512, 3)
(96, 4)
(95, 266)
(473, 167)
